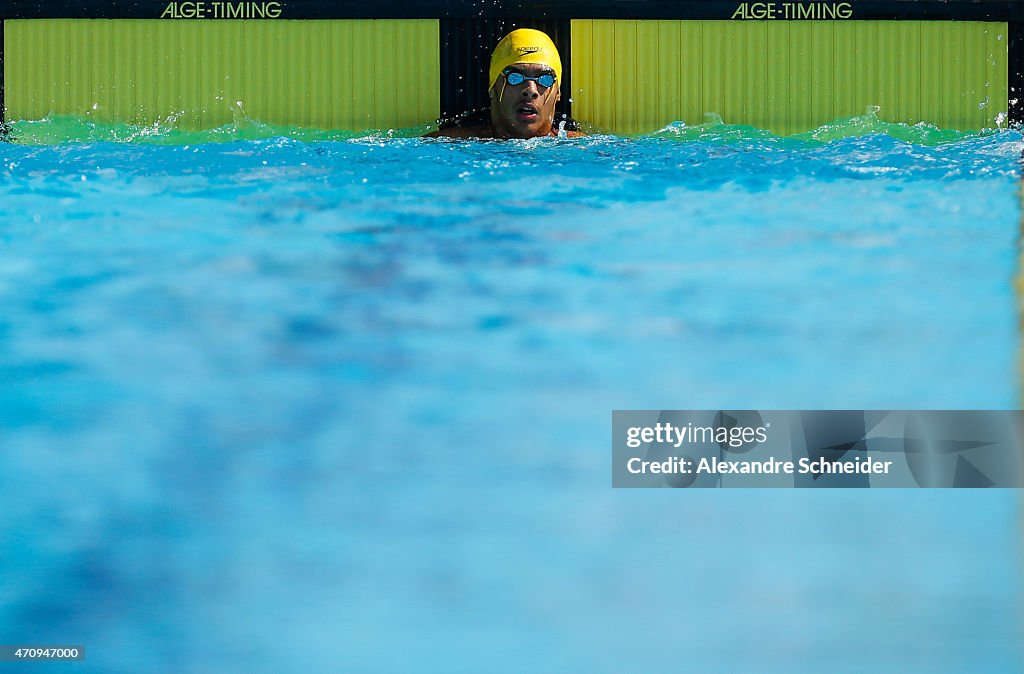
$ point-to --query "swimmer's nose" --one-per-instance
(530, 90)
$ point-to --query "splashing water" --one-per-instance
(77, 129)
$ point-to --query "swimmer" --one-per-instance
(525, 76)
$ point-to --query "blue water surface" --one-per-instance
(345, 406)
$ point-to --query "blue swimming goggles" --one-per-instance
(516, 78)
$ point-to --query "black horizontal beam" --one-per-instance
(955, 10)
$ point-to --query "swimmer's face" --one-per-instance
(525, 110)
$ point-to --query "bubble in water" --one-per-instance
(983, 104)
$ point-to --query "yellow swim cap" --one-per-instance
(524, 45)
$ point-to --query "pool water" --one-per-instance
(342, 402)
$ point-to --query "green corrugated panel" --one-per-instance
(645, 87)
(887, 94)
(789, 77)
(756, 83)
(326, 74)
(845, 101)
(996, 68)
(623, 75)
(714, 53)
(776, 75)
